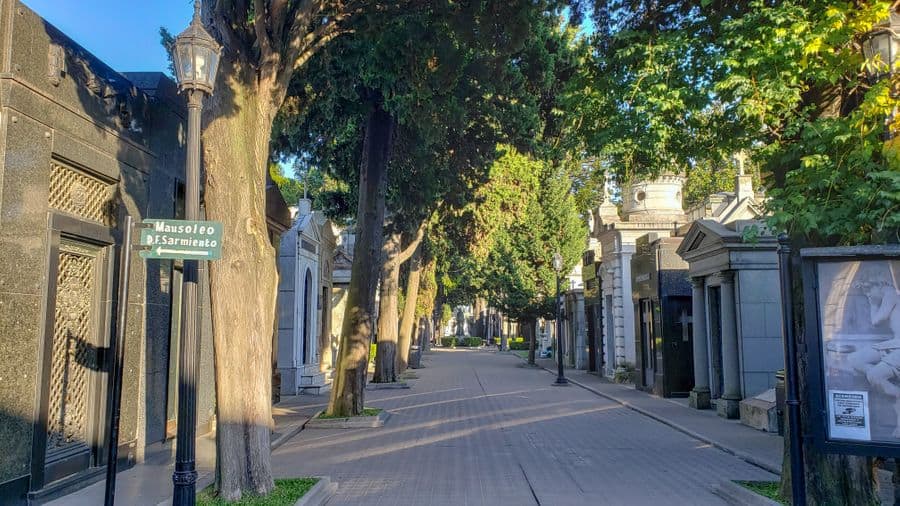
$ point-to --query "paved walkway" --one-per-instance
(760, 448)
(150, 483)
(478, 428)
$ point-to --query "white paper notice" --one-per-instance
(848, 415)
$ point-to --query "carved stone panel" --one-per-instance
(75, 192)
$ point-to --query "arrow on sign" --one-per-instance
(160, 251)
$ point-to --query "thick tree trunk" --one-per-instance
(529, 334)
(236, 144)
(478, 318)
(409, 308)
(348, 388)
(386, 354)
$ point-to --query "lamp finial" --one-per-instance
(197, 10)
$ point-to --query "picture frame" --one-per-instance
(851, 317)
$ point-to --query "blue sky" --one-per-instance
(125, 35)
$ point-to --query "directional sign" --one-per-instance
(180, 239)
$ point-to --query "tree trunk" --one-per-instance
(489, 334)
(504, 336)
(236, 149)
(386, 354)
(409, 308)
(830, 479)
(477, 329)
(529, 334)
(347, 395)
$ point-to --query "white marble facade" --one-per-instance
(300, 304)
(648, 207)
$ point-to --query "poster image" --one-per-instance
(848, 415)
(859, 310)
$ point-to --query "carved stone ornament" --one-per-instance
(72, 299)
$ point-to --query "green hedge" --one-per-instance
(470, 342)
(518, 345)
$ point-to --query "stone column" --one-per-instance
(729, 405)
(629, 348)
(699, 398)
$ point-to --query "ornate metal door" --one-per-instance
(73, 391)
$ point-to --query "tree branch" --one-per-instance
(413, 246)
(262, 34)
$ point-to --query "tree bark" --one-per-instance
(489, 334)
(347, 395)
(409, 308)
(236, 151)
(504, 336)
(386, 355)
(529, 334)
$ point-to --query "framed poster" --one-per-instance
(852, 319)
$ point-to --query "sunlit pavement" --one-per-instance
(478, 428)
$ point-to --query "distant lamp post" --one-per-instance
(196, 58)
(560, 377)
(881, 46)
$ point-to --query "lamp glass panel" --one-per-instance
(183, 63)
(213, 67)
(201, 63)
(882, 43)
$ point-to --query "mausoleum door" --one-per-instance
(69, 436)
(307, 317)
(648, 342)
(678, 357)
(717, 381)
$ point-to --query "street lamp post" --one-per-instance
(881, 46)
(196, 58)
(560, 377)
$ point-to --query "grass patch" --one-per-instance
(286, 493)
(523, 354)
(767, 489)
(366, 412)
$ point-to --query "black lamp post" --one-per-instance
(881, 46)
(560, 377)
(196, 58)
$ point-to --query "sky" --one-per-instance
(125, 35)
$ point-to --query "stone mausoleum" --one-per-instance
(647, 207)
(305, 263)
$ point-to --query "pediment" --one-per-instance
(309, 229)
(747, 209)
(703, 235)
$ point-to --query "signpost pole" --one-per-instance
(185, 476)
(118, 363)
(791, 360)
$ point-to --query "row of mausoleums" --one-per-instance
(682, 303)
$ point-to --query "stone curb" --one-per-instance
(387, 386)
(355, 422)
(319, 494)
(738, 495)
(746, 457)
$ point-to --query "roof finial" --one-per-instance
(197, 10)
